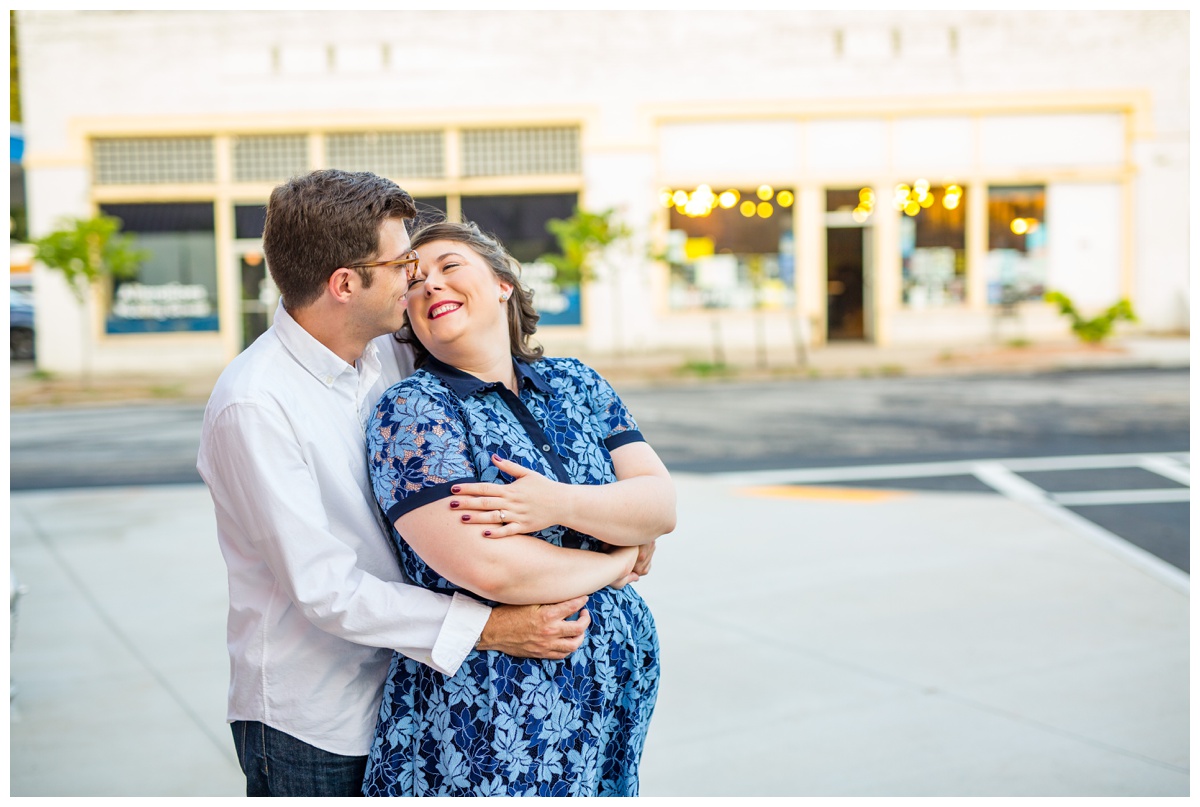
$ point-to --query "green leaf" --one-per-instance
(87, 250)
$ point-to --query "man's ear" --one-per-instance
(341, 284)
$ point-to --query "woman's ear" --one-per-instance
(506, 291)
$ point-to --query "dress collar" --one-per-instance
(465, 385)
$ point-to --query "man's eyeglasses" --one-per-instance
(408, 263)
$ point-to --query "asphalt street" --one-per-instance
(729, 428)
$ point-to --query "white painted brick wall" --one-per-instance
(156, 65)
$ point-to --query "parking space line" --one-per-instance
(1002, 475)
(1168, 467)
(1090, 497)
(917, 470)
(1153, 565)
(1005, 481)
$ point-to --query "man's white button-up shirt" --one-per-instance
(316, 598)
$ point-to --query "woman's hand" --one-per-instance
(528, 504)
(630, 555)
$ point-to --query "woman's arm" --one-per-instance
(520, 571)
(636, 509)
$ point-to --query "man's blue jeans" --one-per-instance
(277, 764)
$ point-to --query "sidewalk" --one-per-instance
(875, 643)
(844, 359)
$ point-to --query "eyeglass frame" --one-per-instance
(409, 261)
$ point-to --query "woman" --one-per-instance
(519, 479)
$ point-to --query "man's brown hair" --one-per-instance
(325, 220)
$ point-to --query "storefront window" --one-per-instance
(176, 287)
(932, 244)
(519, 221)
(730, 249)
(1016, 262)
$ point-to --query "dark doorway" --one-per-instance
(254, 307)
(844, 290)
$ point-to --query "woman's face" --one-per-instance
(456, 295)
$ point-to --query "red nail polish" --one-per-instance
(466, 517)
(455, 489)
(454, 504)
(486, 533)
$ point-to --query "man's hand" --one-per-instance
(536, 631)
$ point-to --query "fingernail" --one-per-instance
(466, 517)
(455, 489)
(454, 504)
(486, 533)
(497, 457)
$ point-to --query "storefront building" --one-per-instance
(865, 177)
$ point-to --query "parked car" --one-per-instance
(20, 329)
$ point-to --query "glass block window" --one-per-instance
(153, 160)
(519, 152)
(269, 158)
(401, 155)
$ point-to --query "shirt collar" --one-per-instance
(464, 385)
(325, 365)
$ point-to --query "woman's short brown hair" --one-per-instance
(522, 316)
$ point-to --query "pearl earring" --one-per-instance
(504, 298)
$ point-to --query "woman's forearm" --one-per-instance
(518, 570)
(523, 570)
(629, 512)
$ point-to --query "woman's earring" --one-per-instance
(504, 298)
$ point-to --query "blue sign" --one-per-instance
(16, 144)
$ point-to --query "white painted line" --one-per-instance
(1005, 481)
(1168, 467)
(1152, 565)
(1000, 474)
(919, 470)
(1090, 497)
(1077, 463)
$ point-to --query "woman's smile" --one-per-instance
(441, 309)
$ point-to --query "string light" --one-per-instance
(703, 201)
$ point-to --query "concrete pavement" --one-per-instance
(816, 642)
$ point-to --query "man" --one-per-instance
(317, 602)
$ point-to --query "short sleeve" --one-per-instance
(617, 424)
(416, 449)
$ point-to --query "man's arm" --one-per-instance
(536, 631)
(264, 490)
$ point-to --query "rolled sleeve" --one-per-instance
(460, 632)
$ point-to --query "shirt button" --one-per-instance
(328, 379)
(546, 448)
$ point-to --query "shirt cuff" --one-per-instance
(461, 630)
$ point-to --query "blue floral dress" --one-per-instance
(502, 725)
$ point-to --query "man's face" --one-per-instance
(380, 307)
